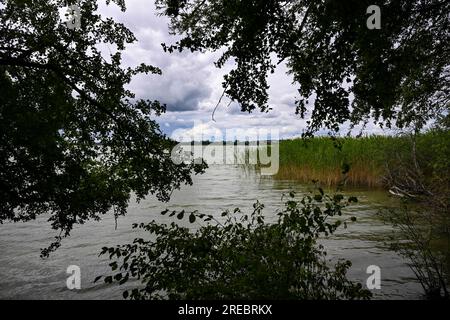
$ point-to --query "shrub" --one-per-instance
(239, 256)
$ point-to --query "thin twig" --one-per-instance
(218, 103)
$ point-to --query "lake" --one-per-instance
(24, 275)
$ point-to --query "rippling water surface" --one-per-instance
(24, 275)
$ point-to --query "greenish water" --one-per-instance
(24, 275)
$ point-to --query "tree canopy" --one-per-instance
(239, 256)
(398, 74)
(74, 141)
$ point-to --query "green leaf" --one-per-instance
(180, 215)
(124, 279)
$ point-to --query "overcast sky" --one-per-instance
(191, 85)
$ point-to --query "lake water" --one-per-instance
(24, 275)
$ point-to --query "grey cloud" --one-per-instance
(188, 101)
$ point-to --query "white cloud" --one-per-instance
(191, 85)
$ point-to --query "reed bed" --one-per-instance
(321, 159)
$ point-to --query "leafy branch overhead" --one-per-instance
(396, 75)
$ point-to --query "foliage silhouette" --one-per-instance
(74, 141)
(238, 256)
(397, 74)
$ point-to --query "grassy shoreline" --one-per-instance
(323, 158)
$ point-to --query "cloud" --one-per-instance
(191, 86)
(186, 78)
